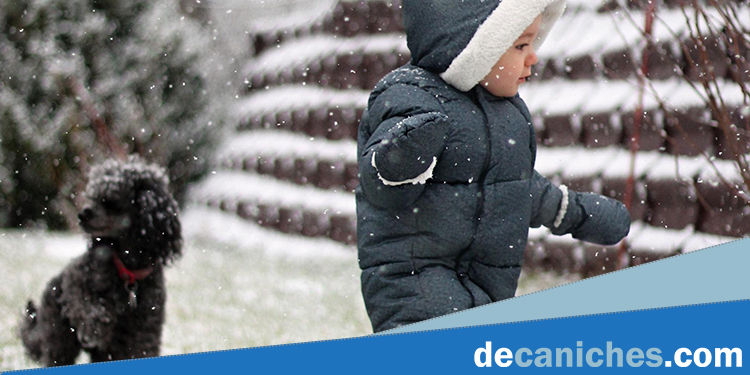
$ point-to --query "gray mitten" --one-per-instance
(411, 149)
(593, 218)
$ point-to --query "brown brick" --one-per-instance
(638, 4)
(343, 229)
(284, 120)
(651, 137)
(228, 205)
(383, 18)
(314, 224)
(559, 131)
(706, 57)
(359, 113)
(732, 141)
(549, 70)
(351, 176)
(739, 68)
(599, 260)
(266, 165)
(677, 3)
(637, 259)
(726, 214)
(330, 175)
(615, 188)
(597, 131)
(608, 7)
(314, 72)
(329, 73)
(251, 122)
(268, 215)
(559, 257)
(373, 69)
(673, 204)
(285, 76)
(299, 73)
(350, 120)
(305, 171)
(269, 121)
(533, 255)
(213, 203)
(337, 128)
(248, 211)
(284, 168)
(582, 184)
(688, 133)
(300, 120)
(662, 63)
(618, 65)
(580, 68)
(250, 164)
(349, 18)
(290, 220)
(319, 123)
(348, 71)
(263, 41)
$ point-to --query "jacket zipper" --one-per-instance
(482, 177)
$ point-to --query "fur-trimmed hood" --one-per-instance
(462, 39)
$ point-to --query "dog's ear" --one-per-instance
(159, 224)
(146, 201)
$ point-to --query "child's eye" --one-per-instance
(520, 47)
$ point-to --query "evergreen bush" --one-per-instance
(83, 80)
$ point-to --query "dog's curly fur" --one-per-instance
(133, 217)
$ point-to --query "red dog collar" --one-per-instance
(130, 276)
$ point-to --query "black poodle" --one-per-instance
(110, 300)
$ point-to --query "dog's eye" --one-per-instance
(110, 205)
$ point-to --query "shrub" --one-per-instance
(82, 80)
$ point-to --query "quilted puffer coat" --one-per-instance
(447, 188)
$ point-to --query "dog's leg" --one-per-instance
(139, 332)
(46, 334)
(143, 344)
(30, 334)
(133, 341)
(93, 326)
(87, 311)
(101, 355)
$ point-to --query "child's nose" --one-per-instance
(532, 58)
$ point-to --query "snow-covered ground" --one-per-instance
(237, 285)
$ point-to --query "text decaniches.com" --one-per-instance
(610, 356)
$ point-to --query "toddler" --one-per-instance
(446, 154)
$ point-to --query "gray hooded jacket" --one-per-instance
(447, 182)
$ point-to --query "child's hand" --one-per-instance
(594, 218)
(409, 152)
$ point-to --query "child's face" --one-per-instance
(514, 67)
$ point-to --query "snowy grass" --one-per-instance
(237, 286)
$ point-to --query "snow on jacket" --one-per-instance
(447, 188)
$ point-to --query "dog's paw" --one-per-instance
(87, 335)
(91, 335)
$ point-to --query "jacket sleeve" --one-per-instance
(405, 131)
(588, 217)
